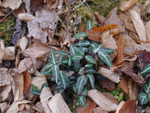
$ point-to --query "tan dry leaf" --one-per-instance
(19, 84)
(100, 18)
(23, 43)
(125, 5)
(5, 93)
(113, 76)
(99, 110)
(45, 95)
(124, 84)
(26, 17)
(43, 25)
(12, 4)
(18, 11)
(111, 97)
(138, 24)
(120, 106)
(2, 14)
(27, 81)
(25, 64)
(9, 53)
(147, 26)
(38, 81)
(3, 107)
(102, 101)
(14, 108)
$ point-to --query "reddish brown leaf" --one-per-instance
(124, 84)
(90, 105)
(36, 5)
(109, 85)
(27, 81)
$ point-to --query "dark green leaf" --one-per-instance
(147, 86)
(91, 71)
(81, 82)
(61, 90)
(48, 66)
(146, 69)
(74, 88)
(91, 79)
(84, 92)
(144, 98)
(35, 91)
(63, 78)
(97, 49)
(53, 58)
(79, 51)
(76, 67)
(48, 71)
(90, 59)
(89, 65)
(72, 51)
(108, 50)
(105, 58)
(81, 70)
(83, 43)
(60, 58)
(56, 73)
(44, 85)
(89, 25)
(69, 60)
(61, 52)
(77, 57)
(79, 35)
(82, 101)
(85, 49)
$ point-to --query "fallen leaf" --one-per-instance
(135, 37)
(147, 27)
(121, 41)
(125, 5)
(15, 4)
(109, 85)
(102, 101)
(2, 14)
(129, 107)
(36, 5)
(58, 105)
(26, 17)
(2, 50)
(124, 84)
(127, 69)
(18, 11)
(99, 110)
(54, 4)
(43, 25)
(19, 84)
(138, 24)
(45, 95)
(5, 93)
(90, 105)
(9, 53)
(23, 43)
(113, 76)
(3, 107)
(27, 81)
(101, 19)
(25, 64)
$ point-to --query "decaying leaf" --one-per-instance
(18, 11)
(124, 5)
(2, 50)
(138, 24)
(128, 107)
(58, 105)
(3, 107)
(45, 96)
(23, 43)
(127, 69)
(27, 81)
(102, 101)
(15, 4)
(9, 53)
(34, 6)
(124, 84)
(90, 105)
(113, 76)
(26, 17)
(43, 26)
(147, 27)
(109, 85)
(99, 18)
(99, 110)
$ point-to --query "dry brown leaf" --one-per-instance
(147, 26)
(45, 95)
(138, 24)
(43, 25)
(53, 5)
(135, 37)
(5, 93)
(3, 107)
(23, 43)
(25, 64)
(129, 107)
(2, 14)
(113, 76)
(2, 50)
(109, 85)
(121, 41)
(12, 4)
(102, 101)
(124, 84)
(113, 18)
(100, 18)
(19, 84)
(26, 17)
(14, 108)
(9, 53)
(90, 105)
(99, 110)
(27, 81)
(124, 5)
(18, 11)
(58, 105)
(120, 106)
(111, 97)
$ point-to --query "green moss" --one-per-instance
(7, 36)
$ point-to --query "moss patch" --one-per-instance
(7, 36)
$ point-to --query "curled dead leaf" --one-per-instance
(26, 17)
(124, 5)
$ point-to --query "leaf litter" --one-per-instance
(45, 25)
